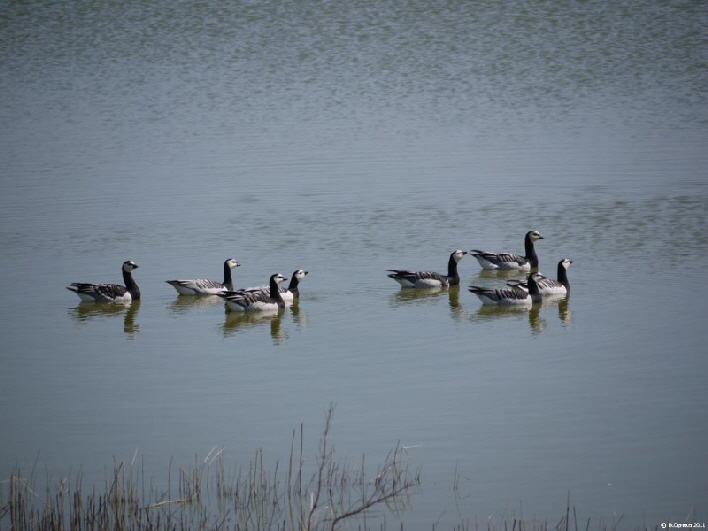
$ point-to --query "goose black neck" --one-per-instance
(563, 276)
(228, 283)
(293, 286)
(533, 287)
(131, 285)
(275, 291)
(530, 252)
(454, 278)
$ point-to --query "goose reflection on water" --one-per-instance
(502, 273)
(534, 312)
(85, 312)
(413, 295)
(407, 296)
(235, 323)
(185, 303)
(564, 313)
(538, 323)
(299, 316)
(487, 312)
(244, 322)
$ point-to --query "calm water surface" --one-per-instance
(347, 140)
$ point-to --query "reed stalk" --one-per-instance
(205, 498)
(208, 498)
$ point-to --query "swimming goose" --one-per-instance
(429, 279)
(548, 286)
(510, 261)
(288, 294)
(204, 286)
(512, 296)
(246, 301)
(110, 292)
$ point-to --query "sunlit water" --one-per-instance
(347, 140)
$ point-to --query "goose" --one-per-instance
(548, 286)
(288, 294)
(246, 301)
(511, 261)
(511, 296)
(429, 279)
(109, 292)
(204, 286)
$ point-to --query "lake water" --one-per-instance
(347, 140)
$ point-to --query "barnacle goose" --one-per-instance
(429, 279)
(110, 292)
(513, 295)
(506, 261)
(549, 286)
(204, 286)
(245, 301)
(288, 294)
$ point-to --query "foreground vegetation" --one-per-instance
(206, 499)
(334, 496)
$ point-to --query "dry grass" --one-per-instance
(325, 495)
(207, 498)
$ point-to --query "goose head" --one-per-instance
(129, 265)
(231, 263)
(277, 278)
(533, 236)
(458, 254)
(300, 274)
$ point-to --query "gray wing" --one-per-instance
(201, 283)
(245, 298)
(548, 283)
(544, 283)
(100, 292)
(500, 257)
(499, 294)
(417, 275)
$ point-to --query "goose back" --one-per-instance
(511, 295)
(549, 286)
(430, 279)
(244, 301)
(205, 286)
(109, 292)
(511, 261)
(289, 293)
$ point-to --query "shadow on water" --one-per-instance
(84, 312)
